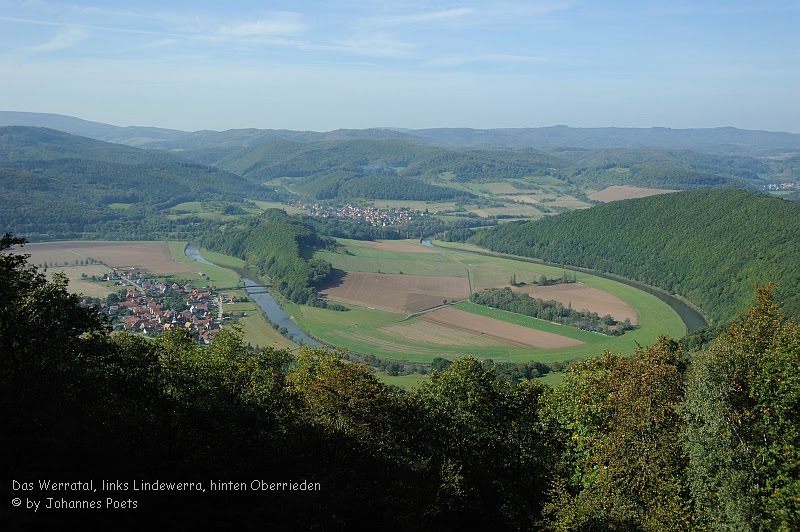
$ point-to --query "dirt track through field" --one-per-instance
(581, 297)
(405, 294)
(501, 330)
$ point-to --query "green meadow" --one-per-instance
(364, 330)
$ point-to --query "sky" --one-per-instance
(416, 64)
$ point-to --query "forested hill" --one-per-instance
(45, 174)
(280, 246)
(710, 246)
(439, 162)
(78, 159)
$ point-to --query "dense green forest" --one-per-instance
(349, 185)
(56, 185)
(710, 246)
(663, 440)
(280, 247)
(419, 227)
(318, 169)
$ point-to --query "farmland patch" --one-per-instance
(401, 246)
(581, 297)
(154, 257)
(397, 293)
(429, 332)
(504, 331)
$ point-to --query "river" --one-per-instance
(259, 294)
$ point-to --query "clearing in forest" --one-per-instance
(615, 192)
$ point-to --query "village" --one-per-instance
(367, 215)
(150, 306)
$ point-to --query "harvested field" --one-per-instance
(614, 193)
(510, 209)
(506, 332)
(582, 297)
(397, 293)
(402, 246)
(430, 333)
(392, 346)
(154, 257)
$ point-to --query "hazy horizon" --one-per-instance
(412, 64)
(394, 128)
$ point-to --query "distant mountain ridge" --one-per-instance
(422, 165)
(716, 140)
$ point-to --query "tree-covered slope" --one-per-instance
(57, 185)
(280, 246)
(318, 168)
(710, 246)
(681, 169)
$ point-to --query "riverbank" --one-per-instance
(257, 292)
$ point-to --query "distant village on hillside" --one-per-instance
(367, 215)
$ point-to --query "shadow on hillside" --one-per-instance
(335, 279)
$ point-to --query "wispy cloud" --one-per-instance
(159, 43)
(280, 24)
(375, 44)
(461, 60)
(419, 17)
(93, 27)
(526, 9)
(66, 38)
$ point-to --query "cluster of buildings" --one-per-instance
(151, 307)
(368, 215)
(783, 186)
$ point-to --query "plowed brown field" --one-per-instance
(397, 293)
(151, 256)
(582, 297)
(501, 330)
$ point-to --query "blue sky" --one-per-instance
(356, 64)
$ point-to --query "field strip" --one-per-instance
(432, 333)
(504, 331)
